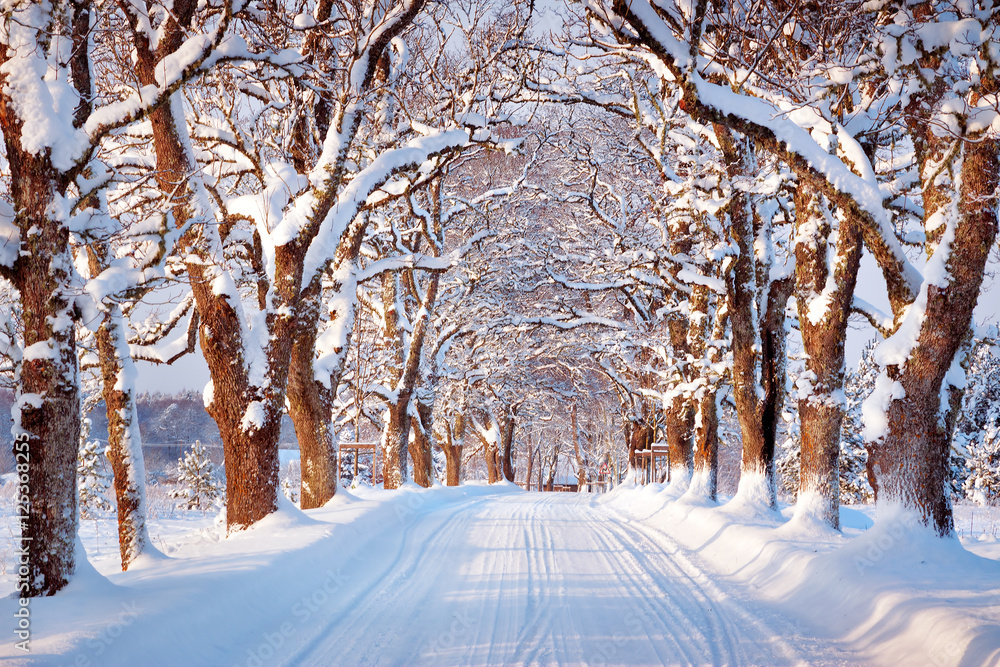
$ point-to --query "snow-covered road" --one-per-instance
(491, 575)
(539, 579)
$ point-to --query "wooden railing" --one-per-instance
(647, 461)
(360, 448)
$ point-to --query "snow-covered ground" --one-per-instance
(493, 575)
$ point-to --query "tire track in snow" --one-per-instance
(371, 593)
(539, 579)
(740, 621)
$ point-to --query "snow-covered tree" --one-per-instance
(92, 475)
(198, 485)
(53, 122)
(977, 437)
(916, 73)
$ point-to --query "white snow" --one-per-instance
(492, 575)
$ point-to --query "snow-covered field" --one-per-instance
(493, 575)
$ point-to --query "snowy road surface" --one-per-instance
(541, 579)
(470, 576)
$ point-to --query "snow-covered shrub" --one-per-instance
(291, 480)
(93, 478)
(977, 434)
(197, 480)
(858, 384)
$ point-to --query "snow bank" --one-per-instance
(889, 590)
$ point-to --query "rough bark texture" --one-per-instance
(680, 429)
(453, 447)
(910, 463)
(47, 430)
(680, 412)
(532, 453)
(310, 399)
(706, 432)
(758, 339)
(507, 443)
(396, 433)
(821, 408)
(124, 439)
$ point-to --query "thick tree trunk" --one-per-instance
(910, 461)
(118, 375)
(758, 340)
(491, 453)
(706, 433)
(47, 408)
(680, 429)
(49, 403)
(310, 406)
(311, 391)
(581, 464)
(453, 451)
(679, 415)
(531, 467)
(824, 294)
(395, 441)
(421, 453)
(705, 479)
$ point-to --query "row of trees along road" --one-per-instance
(435, 218)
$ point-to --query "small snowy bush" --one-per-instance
(93, 478)
(197, 480)
(977, 435)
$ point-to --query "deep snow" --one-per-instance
(494, 575)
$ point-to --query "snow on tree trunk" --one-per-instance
(758, 339)
(317, 365)
(453, 447)
(827, 260)
(46, 412)
(310, 406)
(507, 442)
(118, 375)
(421, 453)
(906, 418)
(704, 480)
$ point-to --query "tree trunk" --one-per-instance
(706, 433)
(421, 453)
(395, 440)
(453, 452)
(531, 467)
(581, 465)
(910, 460)
(47, 408)
(310, 406)
(758, 339)
(680, 428)
(118, 375)
(507, 443)
(823, 319)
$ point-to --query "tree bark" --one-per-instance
(758, 338)
(824, 294)
(507, 443)
(706, 433)
(581, 464)
(453, 451)
(910, 462)
(118, 376)
(47, 408)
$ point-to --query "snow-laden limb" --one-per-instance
(414, 154)
(774, 123)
